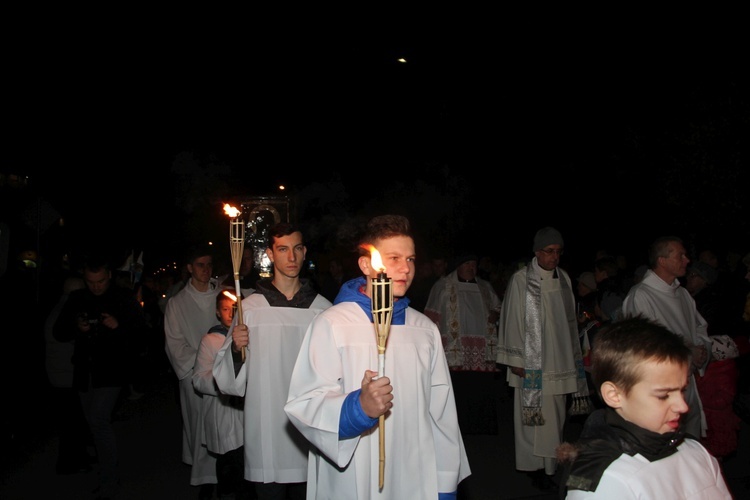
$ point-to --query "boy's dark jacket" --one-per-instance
(606, 436)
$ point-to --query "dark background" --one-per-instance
(137, 133)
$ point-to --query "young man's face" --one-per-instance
(288, 255)
(398, 256)
(201, 269)
(657, 401)
(97, 282)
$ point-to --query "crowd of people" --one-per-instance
(285, 400)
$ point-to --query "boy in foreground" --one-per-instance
(634, 448)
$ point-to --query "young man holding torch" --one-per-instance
(336, 396)
(275, 319)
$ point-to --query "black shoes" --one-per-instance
(542, 481)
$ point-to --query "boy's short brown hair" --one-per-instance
(621, 347)
(382, 227)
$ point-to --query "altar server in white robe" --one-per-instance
(661, 297)
(187, 318)
(336, 397)
(223, 432)
(275, 319)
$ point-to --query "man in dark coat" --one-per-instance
(105, 321)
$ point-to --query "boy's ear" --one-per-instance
(364, 265)
(610, 394)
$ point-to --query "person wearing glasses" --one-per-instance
(538, 342)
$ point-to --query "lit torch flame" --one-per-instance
(230, 295)
(230, 210)
(375, 260)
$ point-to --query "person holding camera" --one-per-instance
(103, 320)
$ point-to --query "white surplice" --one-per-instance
(424, 450)
(187, 318)
(222, 417)
(275, 452)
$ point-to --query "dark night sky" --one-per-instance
(535, 121)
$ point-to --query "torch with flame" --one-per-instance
(382, 311)
(237, 245)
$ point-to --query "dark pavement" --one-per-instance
(149, 433)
